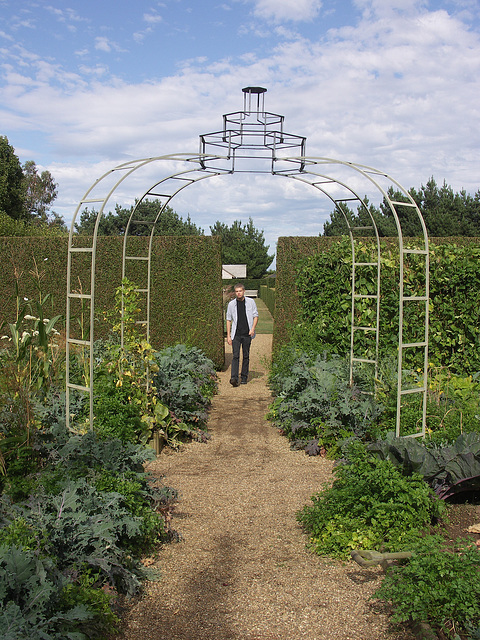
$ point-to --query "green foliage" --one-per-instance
(113, 224)
(11, 182)
(243, 244)
(370, 505)
(439, 585)
(186, 300)
(78, 456)
(40, 190)
(445, 213)
(25, 196)
(122, 404)
(323, 283)
(33, 606)
(18, 533)
(315, 400)
(94, 508)
(267, 294)
(177, 401)
(185, 381)
(33, 346)
(137, 499)
(291, 251)
(117, 413)
(453, 406)
(85, 527)
(10, 227)
(30, 362)
(450, 470)
(87, 592)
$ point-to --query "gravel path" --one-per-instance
(241, 571)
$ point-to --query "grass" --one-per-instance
(265, 320)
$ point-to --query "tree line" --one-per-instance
(241, 243)
(446, 213)
(26, 194)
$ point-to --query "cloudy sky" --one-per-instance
(393, 84)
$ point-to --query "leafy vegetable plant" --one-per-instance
(315, 401)
(370, 505)
(185, 381)
(440, 584)
(450, 470)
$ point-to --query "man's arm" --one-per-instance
(252, 330)
(255, 319)
(229, 328)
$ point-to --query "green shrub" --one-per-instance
(117, 414)
(370, 505)
(185, 381)
(440, 585)
(33, 603)
(315, 400)
(323, 284)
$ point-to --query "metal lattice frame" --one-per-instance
(253, 136)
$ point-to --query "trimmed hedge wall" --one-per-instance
(268, 296)
(250, 283)
(291, 251)
(186, 289)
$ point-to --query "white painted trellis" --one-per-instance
(253, 141)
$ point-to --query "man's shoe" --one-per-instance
(243, 381)
(234, 382)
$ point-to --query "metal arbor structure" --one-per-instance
(254, 141)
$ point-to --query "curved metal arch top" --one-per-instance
(255, 142)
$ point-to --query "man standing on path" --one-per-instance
(242, 318)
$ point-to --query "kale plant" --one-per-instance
(185, 382)
(314, 399)
(31, 593)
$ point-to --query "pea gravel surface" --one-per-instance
(242, 570)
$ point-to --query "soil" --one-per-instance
(241, 570)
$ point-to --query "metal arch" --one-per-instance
(186, 180)
(355, 297)
(251, 145)
(125, 169)
(421, 300)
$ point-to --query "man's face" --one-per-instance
(239, 293)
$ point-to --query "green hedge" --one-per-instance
(250, 283)
(186, 287)
(290, 251)
(325, 289)
(268, 296)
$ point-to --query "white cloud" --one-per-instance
(390, 7)
(152, 18)
(103, 44)
(7, 36)
(67, 16)
(280, 10)
(98, 71)
(400, 95)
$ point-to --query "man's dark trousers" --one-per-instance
(244, 342)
